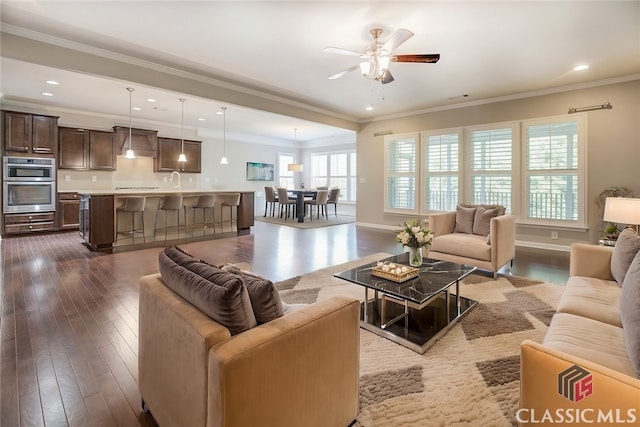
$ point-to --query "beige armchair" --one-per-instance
(487, 252)
(299, 369)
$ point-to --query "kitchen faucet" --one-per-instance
(171, 178)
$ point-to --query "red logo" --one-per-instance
(575, 383)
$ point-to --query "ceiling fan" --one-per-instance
(378, 55)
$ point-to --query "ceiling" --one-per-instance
(274, 50)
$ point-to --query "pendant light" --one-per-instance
(295, 167)
(223, 160)
(182, 157)
(130, 154)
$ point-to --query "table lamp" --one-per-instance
(622, 210)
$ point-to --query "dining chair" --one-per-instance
(320, 202)
(270, 200)
(322, 188)
(334, 195)
(286, 203)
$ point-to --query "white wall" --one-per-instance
(612, 150)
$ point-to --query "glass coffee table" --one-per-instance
(416, 312)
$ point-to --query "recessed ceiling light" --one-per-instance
(151, 100)
(201, 119)
(219, 113)
(580, 68)
(136, 108)
(369, 108)
(47, 94)
(53, 82)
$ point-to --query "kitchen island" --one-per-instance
(98, 214)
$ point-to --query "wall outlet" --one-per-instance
(94, 178)
(190, 179)
(554, 235)
(67, 178)
(164, 179)
(363, 180)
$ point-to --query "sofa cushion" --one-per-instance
(464, 245)
(265, 298)
(464, 220)
(179, 256)
(594, 298)
(589, 339)
(482, 220)
(625, 250)
(630, 312)
(220, 295)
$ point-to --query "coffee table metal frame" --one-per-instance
(416, 303)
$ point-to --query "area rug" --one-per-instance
(316, 223)
(469, 377)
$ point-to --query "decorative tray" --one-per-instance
(395, 272)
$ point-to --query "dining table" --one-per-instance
(300, 195)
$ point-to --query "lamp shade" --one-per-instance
(295, 167)
(622, 210)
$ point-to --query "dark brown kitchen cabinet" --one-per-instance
(29, 134)
(68, 211)
(29, 222)
(73, 149)
(84, 149)
(97, 227)
(168, 151)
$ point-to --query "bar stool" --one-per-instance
(204, 202)
(229, 200)
(168, 204)
(133, 205)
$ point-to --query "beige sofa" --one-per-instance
(487, 252)
(297, 370)
(585, 331)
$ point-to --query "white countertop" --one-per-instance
(153, 192)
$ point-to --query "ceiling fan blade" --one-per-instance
(386, 77)
(341, 51)
(343, 72)
(397, 38)
(423, 58)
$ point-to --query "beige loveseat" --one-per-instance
(301, 369)
(489, 248)
(587, 332)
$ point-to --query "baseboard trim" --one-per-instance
(378, 226)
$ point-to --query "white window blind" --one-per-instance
(552, 159)
(442, 170)
(491, 162)
(335, 170)
(400, 173)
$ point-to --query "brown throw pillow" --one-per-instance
(265, 299)
(626, 248)
(464, 220)
(220, 295)
(482, 220)
(630, 312)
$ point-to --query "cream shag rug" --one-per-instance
(469, 377)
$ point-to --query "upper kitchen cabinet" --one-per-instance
(29, 134)
(84, 149)
(168, 152)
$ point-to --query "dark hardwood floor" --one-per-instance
(69, 317)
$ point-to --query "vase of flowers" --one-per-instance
(415, 235)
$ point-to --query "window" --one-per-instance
(536, 169)
(554, 183)
(491, 166)
(285, 177)
(335, 170)
(441, 169)
(400, 174)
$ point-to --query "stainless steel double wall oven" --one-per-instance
(29, 184)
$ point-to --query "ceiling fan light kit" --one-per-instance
(378, 56)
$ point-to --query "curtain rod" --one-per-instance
(605, 106)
